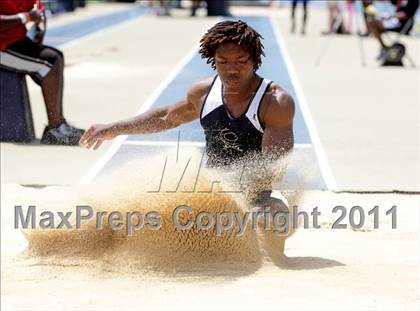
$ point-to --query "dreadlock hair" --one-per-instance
(232, 31)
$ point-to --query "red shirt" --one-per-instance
(16, 33)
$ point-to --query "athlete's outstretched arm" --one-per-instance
(156, 120)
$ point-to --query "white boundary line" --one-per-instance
(303, 104)
(182, 143)
(94, 170)
(101, 32)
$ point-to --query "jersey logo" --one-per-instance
(229, 140)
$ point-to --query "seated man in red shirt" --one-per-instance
(44, 64)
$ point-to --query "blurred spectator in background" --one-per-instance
(305, 15)
(336, 18)
(218, 8)
(195, 4)
(42, 63)
(161, 7)
(350, 10)
(165, 5)
(214, 7)
(178, 4)
(71, 5)
(365, 4)
(60, 6)
(401, 21)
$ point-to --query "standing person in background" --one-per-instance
(305, 15)
(44, 64)
(195, 4)
(178, 4)
(218, 8)
(336, 23)
(350, 10)
(165, 6)
(365, 4)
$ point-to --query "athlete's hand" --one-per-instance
(96, 134)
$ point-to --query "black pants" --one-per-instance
(26, 56)
(305, 11)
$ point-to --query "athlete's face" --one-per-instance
(233, 65)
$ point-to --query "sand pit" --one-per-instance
(237, 250)
(175, 269)
(378, 266)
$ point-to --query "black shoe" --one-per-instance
(64, 134)
(73, 130)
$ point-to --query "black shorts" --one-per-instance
(27, 57)
(400, 27)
